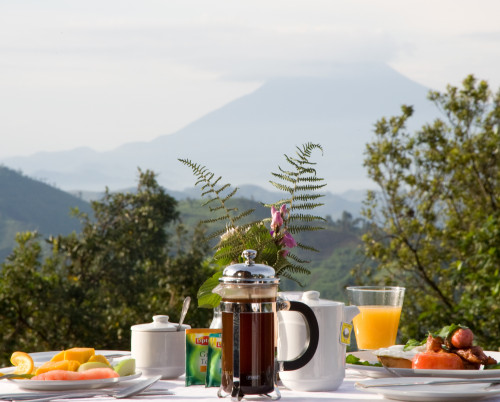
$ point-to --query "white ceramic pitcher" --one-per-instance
(326, 370)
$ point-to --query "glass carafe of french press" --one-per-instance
(249, 330)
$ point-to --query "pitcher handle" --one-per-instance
(312, 324)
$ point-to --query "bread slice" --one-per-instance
(394, 362)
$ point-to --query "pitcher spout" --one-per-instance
(350, 312)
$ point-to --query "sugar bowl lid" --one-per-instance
(249, 272)
(160, 324)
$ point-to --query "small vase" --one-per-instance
(217, 320)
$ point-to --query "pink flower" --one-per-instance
(283, 210)
(288, 240)
(276, 219)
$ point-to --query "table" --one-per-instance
(346, 392)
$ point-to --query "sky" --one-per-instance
(101, 73)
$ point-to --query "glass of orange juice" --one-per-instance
(376, 325)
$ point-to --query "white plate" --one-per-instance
(378, 372)
(71, 385)
(429, 393)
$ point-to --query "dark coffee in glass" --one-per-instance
(257, 352)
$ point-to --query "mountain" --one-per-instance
(28, 205)
(244, 141)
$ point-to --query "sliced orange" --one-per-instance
(23, 362)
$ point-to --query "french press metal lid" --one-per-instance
(249, 272)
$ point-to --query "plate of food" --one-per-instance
(449, 352)
(71, 369)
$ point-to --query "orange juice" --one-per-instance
(376, 326)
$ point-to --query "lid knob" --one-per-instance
(249, 255)
(160, 320)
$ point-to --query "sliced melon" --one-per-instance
(99, 358)
(125, 367)
(92, 365)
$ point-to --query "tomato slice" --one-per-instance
(437, 361)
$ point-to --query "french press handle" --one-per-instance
(312, 324)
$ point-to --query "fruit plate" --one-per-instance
(55, 385)
(378, 372)
(42, 357)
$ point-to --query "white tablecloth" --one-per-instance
(346, 392)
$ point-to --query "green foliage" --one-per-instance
(299, 182)
(436, 218)
(93, 286)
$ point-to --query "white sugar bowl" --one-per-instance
(159, 348)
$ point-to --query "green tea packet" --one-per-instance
(214, 369)
(197, 354)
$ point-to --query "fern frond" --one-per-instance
(306, 197)
(285, 274)
(305, 218)
(311, 179)
(304, 228)
(283, 177)
(283, 187)
(244, 214)
(214, 220)
(216, 190)
(292, 268)
(227, 197)
(297, 259)
(307, 206)
(308, 248)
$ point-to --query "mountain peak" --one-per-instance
(244, 141)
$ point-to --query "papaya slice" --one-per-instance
(79, 354)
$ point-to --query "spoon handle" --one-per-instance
(185, 307)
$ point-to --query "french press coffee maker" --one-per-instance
(250, 331)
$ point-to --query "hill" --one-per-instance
(334, 206)
(28, 205)
(244, 140)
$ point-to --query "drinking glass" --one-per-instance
(376, 325)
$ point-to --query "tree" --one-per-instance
(436, 217)
(93, 286)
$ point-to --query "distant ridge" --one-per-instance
(244, 140)
(28, 205)
(334, 206)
